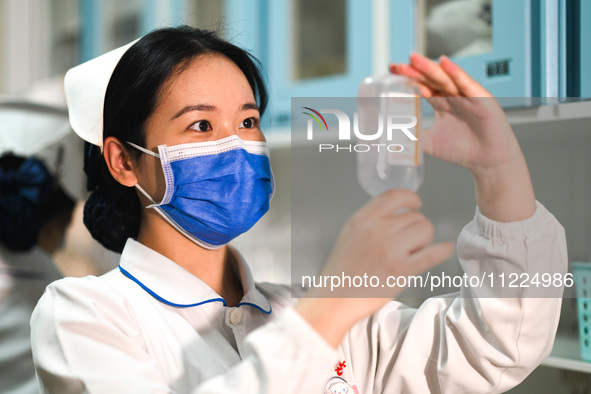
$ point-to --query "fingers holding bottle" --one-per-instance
(464, 83)
(471, 130)
(381, 237)
(470, 127)
(386, 238)
(439, 79)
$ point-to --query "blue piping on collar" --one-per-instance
(164, 301)
(258, 307)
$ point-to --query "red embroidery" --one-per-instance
(340, 367)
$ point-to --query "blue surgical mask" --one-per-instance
(215, 190)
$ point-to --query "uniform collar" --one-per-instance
(171, 284)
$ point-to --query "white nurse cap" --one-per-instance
(85, 88)
(32, 128)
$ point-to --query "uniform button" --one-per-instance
(235, 316)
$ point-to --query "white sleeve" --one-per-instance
(79, 346)
(462, 343)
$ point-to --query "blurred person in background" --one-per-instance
(39, 178)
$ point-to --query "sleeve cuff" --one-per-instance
(507, 231)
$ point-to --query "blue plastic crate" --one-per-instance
(582, 276)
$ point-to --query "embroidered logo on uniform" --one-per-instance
(338, 385)
(340, 367)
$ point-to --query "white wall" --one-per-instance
(24, 27)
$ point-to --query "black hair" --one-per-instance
(112, 212)
(29, 198)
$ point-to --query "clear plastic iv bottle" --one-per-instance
(389, 103)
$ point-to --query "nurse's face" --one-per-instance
(211, 99)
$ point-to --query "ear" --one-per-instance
(119, 162)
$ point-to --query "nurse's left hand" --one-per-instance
(471, 130)
(387, 238)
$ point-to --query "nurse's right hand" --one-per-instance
(471, 130)
(388, 237)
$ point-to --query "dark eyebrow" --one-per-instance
(196, 107)
(206, 107)
(248, 106)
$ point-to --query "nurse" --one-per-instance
(180, 167)
(37, 195)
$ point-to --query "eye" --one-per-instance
(202, 125)
(250, 123)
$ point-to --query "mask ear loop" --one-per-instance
(144, 150)
(154, 203)
(137, 185)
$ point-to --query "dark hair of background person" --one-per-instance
(29, 199)
(112, 212)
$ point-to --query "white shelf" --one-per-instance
(539, 114)
(566, 355)
(549, 113)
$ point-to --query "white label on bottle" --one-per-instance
(402, 114)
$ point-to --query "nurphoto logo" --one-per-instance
(385, 130)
